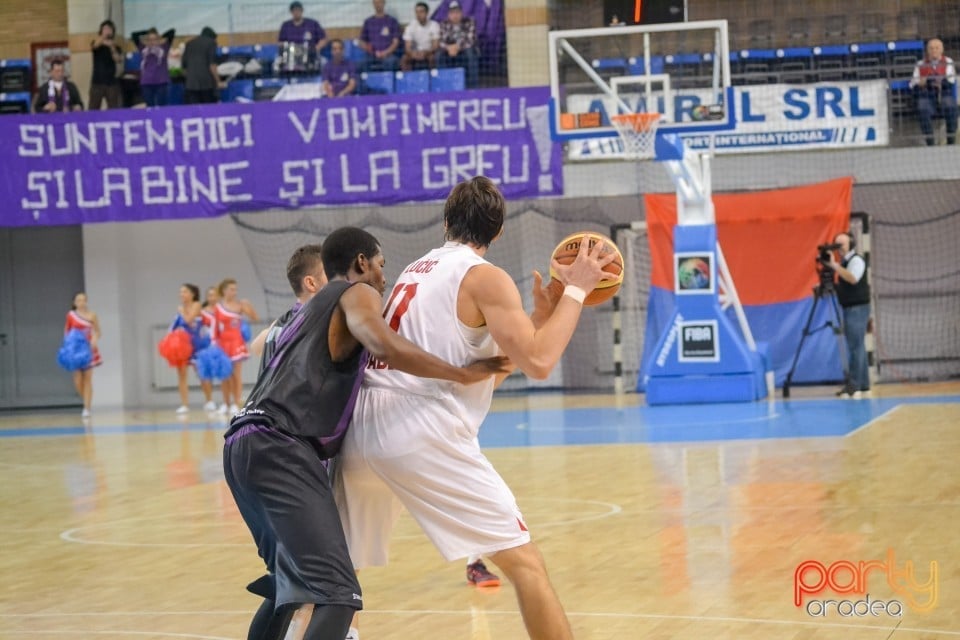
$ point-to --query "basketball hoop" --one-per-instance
(638, 131)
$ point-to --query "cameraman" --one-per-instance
(853, 293)
(934, 81)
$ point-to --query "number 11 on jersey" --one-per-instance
(396, 306)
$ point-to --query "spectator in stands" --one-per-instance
(380, 37)
(57, 93)
(300, 30)
(154, 73)
(200, 66)
(458, 43)
(339, 75)
(421, 40)
(934, 82)
(107, 58)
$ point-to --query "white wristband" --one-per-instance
(576, 293)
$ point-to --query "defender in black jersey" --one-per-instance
(295, 417)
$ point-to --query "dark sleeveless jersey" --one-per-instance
(301, 391)
(270, 344)
(851, 295)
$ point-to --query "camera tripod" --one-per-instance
(822, 292)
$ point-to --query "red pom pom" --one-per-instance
(176, 348)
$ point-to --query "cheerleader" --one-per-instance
(188, 318)
(210, 327)
(229, 313)
(81, 317)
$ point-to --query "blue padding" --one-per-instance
(668, 146)
(794, 52)
(176, 92)
(832, 50)
(683, 58)
(758, 54)
(870, 47)
(907, 45)
(604, 64)
(452, 79)
(242, 50)
(266, 83)
(14, 62)
(16, 96)
(412, 82)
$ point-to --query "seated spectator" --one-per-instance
(458, 43)
(57, 93)
(107, 58)
(305, 31)
(154, 73)
(339, 75)
(421, 39)
(200, 68)
(934, 81)
(380, 37)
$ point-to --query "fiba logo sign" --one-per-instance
(698, 341)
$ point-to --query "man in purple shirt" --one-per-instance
(339, 75)
(154, 73)
(380, 37)
(302, 30)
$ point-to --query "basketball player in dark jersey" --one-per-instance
(296, 416)
(306, 277)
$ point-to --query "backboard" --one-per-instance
(681, 70)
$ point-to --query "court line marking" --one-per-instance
(71, 535)
(883, 416)
(497, 612)
(525, 426)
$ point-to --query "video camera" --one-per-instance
(823, 259)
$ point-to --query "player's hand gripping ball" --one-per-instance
(566, 252)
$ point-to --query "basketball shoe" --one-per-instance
(479, 576)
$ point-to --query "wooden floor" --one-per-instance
(125, 529)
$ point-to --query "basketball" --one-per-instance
(566, 252)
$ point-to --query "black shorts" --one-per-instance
(284, 495)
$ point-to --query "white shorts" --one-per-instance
(407, 451)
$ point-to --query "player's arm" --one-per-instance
(545, 299)
(256, 347)
(361, 305)
(536, 350)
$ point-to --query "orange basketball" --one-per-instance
(566, 252)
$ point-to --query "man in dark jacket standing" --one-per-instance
(200, 66)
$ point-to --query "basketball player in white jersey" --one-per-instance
(413, 441)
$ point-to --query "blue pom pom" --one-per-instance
(245, 330)
(213, 364)
(75, 353)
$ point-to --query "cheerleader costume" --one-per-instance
(228, 334)
(76, 321)
(195, 329)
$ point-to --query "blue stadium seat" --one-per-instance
(266, 88)
(131, 63)
(830, 61)
(635, 66)
(412, 82)
(376, 82)
(266, 52)
(452, 79)
(237, 89)
(609, 66)
(241, 52)
(795, 64)
(18, 102)
(175, 92)
(353, 52)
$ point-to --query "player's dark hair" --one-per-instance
(56, 62)
(194, 291)
(107, 23)
(342, 248)
(474, 212)
(73, 306)
(425, 6)
(302, 263)
(336, 40)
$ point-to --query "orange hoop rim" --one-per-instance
(638, 121)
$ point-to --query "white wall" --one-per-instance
(133, 273)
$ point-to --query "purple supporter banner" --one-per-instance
(203, 161)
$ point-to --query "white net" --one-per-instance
(532, 230)
(633, 300)
(638, 132)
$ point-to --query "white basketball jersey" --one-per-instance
(422, 307)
